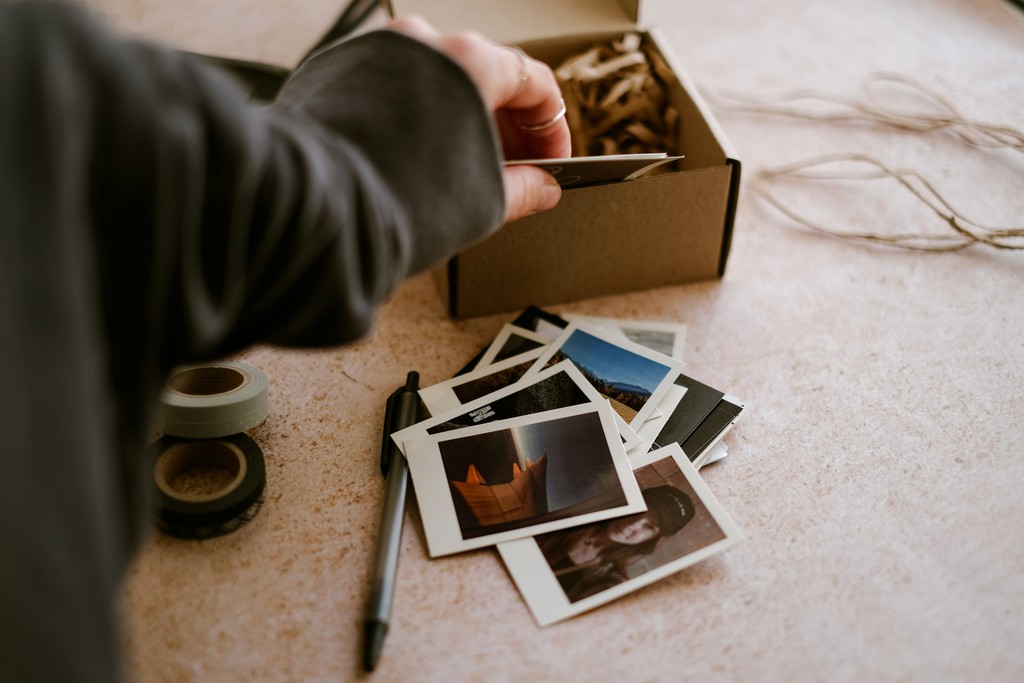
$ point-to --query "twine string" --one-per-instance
(973, 132)
(820, 168)
(943, 116)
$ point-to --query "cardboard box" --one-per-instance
(667, 229)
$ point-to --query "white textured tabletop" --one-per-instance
(877, 472)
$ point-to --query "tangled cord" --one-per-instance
(966, 232)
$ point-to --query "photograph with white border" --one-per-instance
(565, 573)
(545, 323)
(516, 478)
(511, 342)
(719, 422)
(632, 377)
(647, 433)
(715, 453)
(559, 386)
(697, 402)
(663, 337)
(452, 393)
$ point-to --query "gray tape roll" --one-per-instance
(210, 401)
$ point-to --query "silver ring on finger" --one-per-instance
(550, 122)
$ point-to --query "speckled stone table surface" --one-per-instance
(877, 472)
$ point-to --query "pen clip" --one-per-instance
(386, 442)
(393, 413)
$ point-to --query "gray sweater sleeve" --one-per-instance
(149, 216)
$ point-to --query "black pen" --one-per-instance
(403, 410)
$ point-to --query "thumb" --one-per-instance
(529, 189)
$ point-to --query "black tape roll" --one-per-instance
(205, 514)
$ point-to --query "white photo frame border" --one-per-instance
(673, 366)
(544, 595)
(630, 438)
(706, 456)
(440, 398)
(679, 330)
(437, 509)
(507, 331)
(716, 453)
(649, 430)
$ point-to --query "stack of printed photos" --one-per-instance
(572, 444)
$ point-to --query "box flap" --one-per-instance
(513, 21)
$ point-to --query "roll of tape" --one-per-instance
(209, 487)
(209, 401)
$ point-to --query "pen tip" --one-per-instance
(373, 643)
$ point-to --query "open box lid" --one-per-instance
(515, 21)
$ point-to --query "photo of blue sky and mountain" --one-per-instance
(627, 379)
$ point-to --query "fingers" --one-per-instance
(549, 138)
(521, 91)
(529, 189)
(537, 110)
(527, 104)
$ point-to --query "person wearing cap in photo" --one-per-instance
(592, 558)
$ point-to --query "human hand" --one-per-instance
(527, 105)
